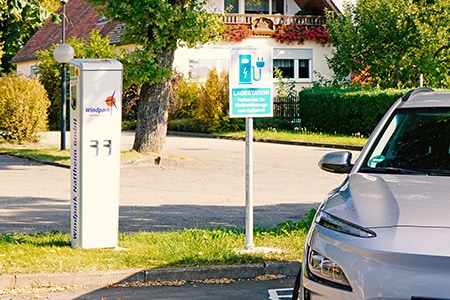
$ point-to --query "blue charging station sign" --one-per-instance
(251, 83)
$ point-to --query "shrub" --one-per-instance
(333, 110)
(188, 125)
(23, 109)
(184, 98)
(201, 107)
(214, 100)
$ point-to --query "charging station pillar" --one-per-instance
(95, 127)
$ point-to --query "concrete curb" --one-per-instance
(105, 278)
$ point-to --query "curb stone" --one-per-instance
(105, 278)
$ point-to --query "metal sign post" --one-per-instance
(250, 96)
(249, 183)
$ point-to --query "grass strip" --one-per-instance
(306, 137)
(51, 252)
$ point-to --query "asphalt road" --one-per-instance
(249, 289)
(200, 184)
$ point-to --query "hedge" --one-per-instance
(349, 112)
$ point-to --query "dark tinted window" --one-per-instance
(417, 140)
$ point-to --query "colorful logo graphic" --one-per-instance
(110, 101)
(246, 69)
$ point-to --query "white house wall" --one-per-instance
(202, 59)
(26, 68)
(196, 63)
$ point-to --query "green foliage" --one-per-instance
(188, 125)
(345, 111)
(201, 107)
(185, 98)
(50, 70)
(214, 101)
(19, 20)
(23, 108)
(407, 39)
(304, 225)
(285, 86)
(159, 26)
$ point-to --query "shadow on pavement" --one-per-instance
(30, 215)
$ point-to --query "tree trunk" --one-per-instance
(152, 114)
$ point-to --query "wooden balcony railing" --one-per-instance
(250, 19)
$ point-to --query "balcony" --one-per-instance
(252, 19)
(266, 25)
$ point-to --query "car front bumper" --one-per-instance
(374, 272)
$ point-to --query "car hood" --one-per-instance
(374, 200)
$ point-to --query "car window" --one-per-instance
(413, 140)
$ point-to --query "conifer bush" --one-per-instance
(23, 109)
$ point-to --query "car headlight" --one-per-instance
(326, 271)
(334, 223)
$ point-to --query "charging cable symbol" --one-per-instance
(246, 69)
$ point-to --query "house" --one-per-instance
(258, 20)
(81, 20)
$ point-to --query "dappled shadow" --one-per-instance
(178, 217)
(30, 215)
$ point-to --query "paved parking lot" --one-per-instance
(200, 184)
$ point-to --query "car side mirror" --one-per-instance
(336, 162)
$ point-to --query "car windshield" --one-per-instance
(414, 141)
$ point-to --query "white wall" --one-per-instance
(202, 59)
(25, 68)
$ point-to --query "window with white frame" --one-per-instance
(294, 63)
(232, 6)
(256, 6)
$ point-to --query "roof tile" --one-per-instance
(81, 19)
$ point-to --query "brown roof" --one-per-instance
(317, 6)
(80, 21)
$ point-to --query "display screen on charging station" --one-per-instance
(251, 83)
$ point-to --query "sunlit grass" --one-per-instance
(51, 252)
(43, 154)
(307, 137)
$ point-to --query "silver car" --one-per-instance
(385, 232)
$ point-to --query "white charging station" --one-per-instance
(95, 126)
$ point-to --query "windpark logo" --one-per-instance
(110, 102)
